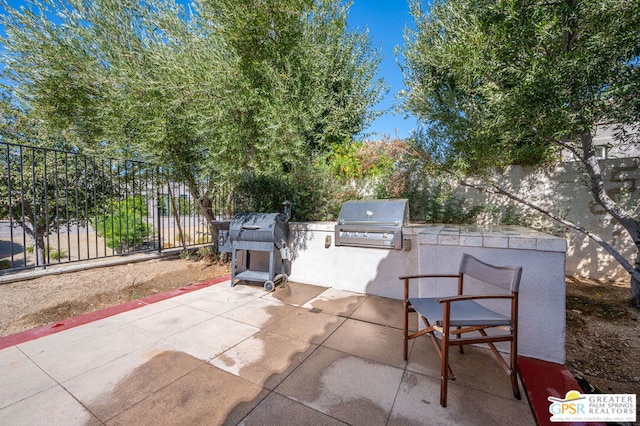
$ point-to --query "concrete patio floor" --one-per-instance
(302, 355)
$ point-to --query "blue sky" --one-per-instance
(385, 20)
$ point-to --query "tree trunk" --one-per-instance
(37, 236)
(204, 204)
(176, 217)
(40, 251)
(635, 280)
(601, 196)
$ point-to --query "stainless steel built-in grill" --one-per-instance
(372, 223)
(265, 232)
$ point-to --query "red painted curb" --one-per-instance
(35, 333)
(542, 379)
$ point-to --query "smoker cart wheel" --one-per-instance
(269, 285)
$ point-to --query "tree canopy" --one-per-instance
(503, 82)
(516, 82)
(209, 91)
(220, 86)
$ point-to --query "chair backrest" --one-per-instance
(506, 277)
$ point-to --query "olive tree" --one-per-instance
(516, 82)
(302, 81)
(208, 91)
(42, 185)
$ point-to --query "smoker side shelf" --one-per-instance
(268, 278)
(253, 245)
(251, 275)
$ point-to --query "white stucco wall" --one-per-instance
(438, 249)
(542, 306)
(363, 270)
(562, 190)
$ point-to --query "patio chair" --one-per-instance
(456, 315)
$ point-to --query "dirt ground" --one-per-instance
(603, 336)
(37, 302)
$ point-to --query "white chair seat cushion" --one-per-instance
(463, 313)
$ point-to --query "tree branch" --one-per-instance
(495, 189)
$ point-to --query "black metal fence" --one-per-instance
(59, 207)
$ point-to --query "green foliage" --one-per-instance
(512, 215)
(184, 205)
(223, 87)
(55, 254)
(516, 82)
(312, 188)
(317, 195)
(123, 223)
(498, 83)
(208, 92)
(352, 160)
(49, 252)
(432, 198)
(344, 162)
(380, 170)
(435, 203)
(304, 80)
(262, 193)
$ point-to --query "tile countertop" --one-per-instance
(512, 237)
(492, 236)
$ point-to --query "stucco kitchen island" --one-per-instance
(437, 249)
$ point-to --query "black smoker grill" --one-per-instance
(372, 223)
(263, 232)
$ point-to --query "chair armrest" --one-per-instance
(410, 277)
(406, 279)
(474, 297)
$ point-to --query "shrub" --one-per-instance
(49, 253)
(315, 193)
(356, 170)
(122, 224)
(512, 215)
(436, 203)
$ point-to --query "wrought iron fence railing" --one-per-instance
(59, 207)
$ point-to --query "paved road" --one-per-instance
(81, 242)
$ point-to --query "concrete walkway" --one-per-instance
(302, 355)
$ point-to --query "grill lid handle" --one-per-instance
(251, 227)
